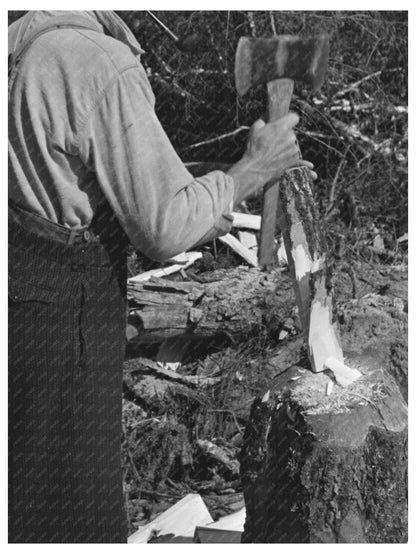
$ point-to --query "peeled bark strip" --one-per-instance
(318, 468)
(305, 249)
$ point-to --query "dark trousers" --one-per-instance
(66, 348)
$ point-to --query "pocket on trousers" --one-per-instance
(20, 291)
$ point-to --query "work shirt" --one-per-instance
(82, 128)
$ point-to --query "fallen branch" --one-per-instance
(354, 86)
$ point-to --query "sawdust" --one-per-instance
(310, 390)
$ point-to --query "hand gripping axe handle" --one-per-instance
(278, 61)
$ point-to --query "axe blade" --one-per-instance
(260, 60)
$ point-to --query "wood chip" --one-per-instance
(266, 397)
(246, 221)
(170, 366)
(344, 375)
(329, 387)
(281, 255)
(249, 240)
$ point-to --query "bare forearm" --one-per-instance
(247, 181)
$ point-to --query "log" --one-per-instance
(305, 248)
(327, 469)
(234, 302)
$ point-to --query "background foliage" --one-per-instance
(354, 129)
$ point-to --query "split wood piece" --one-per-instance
(305, 249)
(248, 255)
(343, 374)
(232, 522)
(221, 504)
(211, 535)
(281, 254)
(246, 221)
(179, 520)
(235, 303)
(249, 240)
(181, 261)
(328, 469)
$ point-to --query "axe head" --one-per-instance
(260, 60)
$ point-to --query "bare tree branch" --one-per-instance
(215, 139)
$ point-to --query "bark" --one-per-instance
(327, 469)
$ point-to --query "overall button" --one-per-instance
(87, 236)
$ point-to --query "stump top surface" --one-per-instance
(374, 399)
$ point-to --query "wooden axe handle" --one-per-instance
(279, 95)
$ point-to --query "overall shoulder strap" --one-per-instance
(70, 21)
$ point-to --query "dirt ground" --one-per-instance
(181, 437)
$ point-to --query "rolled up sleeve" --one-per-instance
(161, 207)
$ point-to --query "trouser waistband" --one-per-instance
(48, 229)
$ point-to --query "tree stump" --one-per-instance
(327, 469)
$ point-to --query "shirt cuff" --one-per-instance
(222, 227)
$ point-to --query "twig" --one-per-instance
(331, 202)
(202, 71)
(177, 89)
(348, 106)
(133, 465)
(272, 23)
(316, 137)
(215, 139)
(214, 45)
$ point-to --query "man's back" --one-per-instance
(82, 129)
(62, 77)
